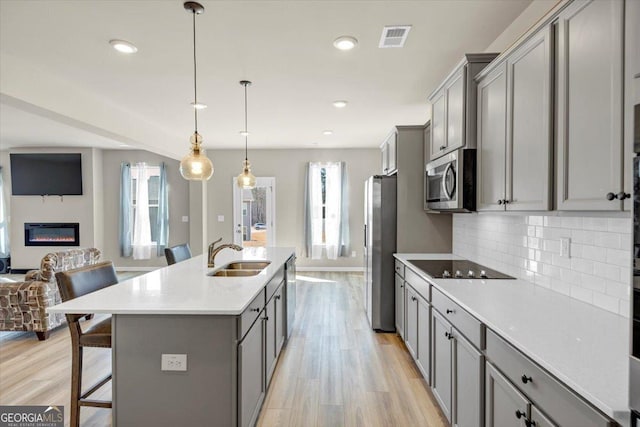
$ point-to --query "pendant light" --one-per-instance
(246, 180)
(195, 166)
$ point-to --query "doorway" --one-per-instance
(254, 214)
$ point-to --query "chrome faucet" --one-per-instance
(213, 251)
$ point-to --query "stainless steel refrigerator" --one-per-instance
(379, 247)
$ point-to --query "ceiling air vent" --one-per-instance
(394, 35)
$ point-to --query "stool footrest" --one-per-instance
(96, 387)
(95, 403)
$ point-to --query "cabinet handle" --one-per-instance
(500, 201)
(622, 195)
(442, 147)
(520, 414)
(610, 196)
(277, 296)
(526, 379)
(450, 311)
(506, 201)
(447, 334)
(414, 299)
(266, 318)
(401, 286)
(257, 310)
(530, 423)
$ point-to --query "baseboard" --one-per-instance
(336, 269)
(21, 270)
(137, 268)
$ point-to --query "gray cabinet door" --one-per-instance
(384, 149)
(441, 372)
(399, 292)
(424, 339)
(411, 327)
(392, 153)
(529, 132)
(250, 375)
(468, 403)
(456, 110)
(504, 404)
(270, 339)
(438, 129)
(539, 419)
(492, 132)
(589, 113)
(280, 318)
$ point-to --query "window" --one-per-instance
(326, 213)
(144, 210)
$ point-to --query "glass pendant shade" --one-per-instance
(246, 180)
(196, 166)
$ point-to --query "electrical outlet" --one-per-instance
(353, 254)
(185, 218)
(565, 244)
(220, 218)
(174, 362)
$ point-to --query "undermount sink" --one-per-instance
(240, 269)
(234, 273)
(247, 265)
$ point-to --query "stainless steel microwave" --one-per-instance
(451, 182)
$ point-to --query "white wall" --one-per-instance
(288, 168)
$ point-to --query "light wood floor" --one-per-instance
(334, 370)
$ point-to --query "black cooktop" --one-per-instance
(457, 269)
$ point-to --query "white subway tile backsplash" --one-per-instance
(597, 272)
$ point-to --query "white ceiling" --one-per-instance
(62, 84)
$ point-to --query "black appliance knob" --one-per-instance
(483, 274)
(471, 274)
(446, 274)
(458, 273)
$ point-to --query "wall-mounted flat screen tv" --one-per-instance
(50, 174)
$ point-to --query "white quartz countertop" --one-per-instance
(585, 347)
(184, 288)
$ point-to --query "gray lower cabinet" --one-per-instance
(399, 294)
(274, 334)
(411, 327)
(505, 405)
(468, 390)
(251, 375)
(456, 374)
(441, 368)
(424, 339)
(538, 419)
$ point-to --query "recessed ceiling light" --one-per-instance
(123, 46)
(198, 105)
(345, 42)
(340, 104)
(327, 132)
(244, 133)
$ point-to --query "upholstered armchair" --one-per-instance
(23, 305)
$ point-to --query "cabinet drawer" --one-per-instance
(418, 283)
(557, 401)
(274, 283)
(250, 314)
(468, 325)
(400, 268)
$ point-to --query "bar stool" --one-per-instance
(177, 253)
(73, 284)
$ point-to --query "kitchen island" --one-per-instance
(190, 348)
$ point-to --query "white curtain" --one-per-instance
(142, 245)
(4, 222)
(326, 234)
(333, 209)
(315, 207)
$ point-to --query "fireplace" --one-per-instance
(52, 234)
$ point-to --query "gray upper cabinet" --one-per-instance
(492, 126)
(453, 106)
(590, 100)
(389, 154)
(514, 129)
